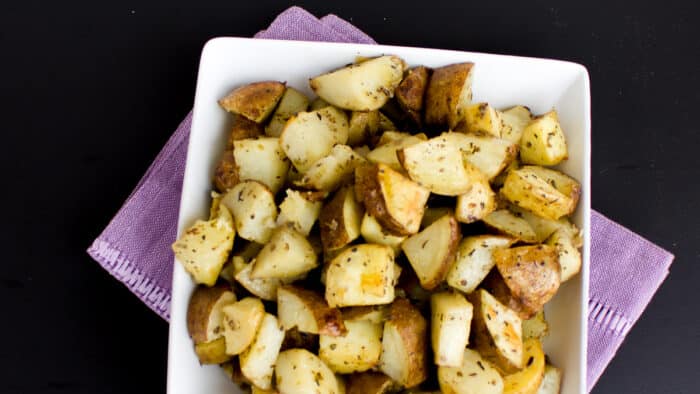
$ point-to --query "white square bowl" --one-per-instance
(501, 80)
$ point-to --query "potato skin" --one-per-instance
(411, 91)
(329, 320)
(443, 94)
(201, 304)
(334, 225)
(243, 128)
(413, 329)
(226, 173)
(255, 101)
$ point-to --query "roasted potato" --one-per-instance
(204, 247)
(309, 136)
(204, 312)
(480, 118)
(308, 312)
(212, 352)
(356, 351)
(241, 321)
(260, 287)
(438, 165)
(254, 211)
(404, 347)
(340, 220)
(362, 86)
(299, 371)
(527, 380)
(434, 213)
(497, 331)
(411, 92)
(291, 103)
(535, 327)
(318, 103)
(226, 172)
(450, 321)
(545, 192)
(474, 375)
(361, 275)
(551, 381)
(374, 313)
(262, 160)
(255, 101)
(474, 261)
(543, 142)
(287, 255)
(369, 383)
(542, 227)
(332, 171)
(389, 144)
(489, 154)
(505, 222)
(258, 360)
(449, 92)
(366, 125)
(373, 232)
(391, 198)
(300, 209)
(477, 202)
(569, 255)
(513, 123)
(295, 339)
(432, 251)
(243, 128)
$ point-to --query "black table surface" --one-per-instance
(91, 91)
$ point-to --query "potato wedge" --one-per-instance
(258, 360)
(437, 164)
(363, 86)
(551, 381)
(300, 209)
(527, 380)
(366, 125)
(569, 255)
(543, 227)
(474, 261)
(543, 142)
(449, 92)
(504, 222)
(243, 128)
(356, 351)
(411, 92)
(369, 383)
(241, 321)
(480, 118)
(291, 103)
(474, 375)
(477, 202)
(489, 154)
(340, 220)
(450, 322)
(498, 181)
(310, 136)
(260, 287)
(545, 192)
(389, 144)
(391, 198)
(513, 122)
(204, 247)
(226, 172)
(299, 371)
(204, 312)
(532, 273)
(212, 352)
(254, 211)
(308, 312)
(373, 232)
(404, 347)
(498, 331)
(432, 251)
(332, 171)
(255, 101)
(288, 255)
(361, 275)
(535, 327)
(261, 160)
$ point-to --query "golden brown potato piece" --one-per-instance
(301, 209)
(543, 142)
(340, 220)
(243, 128)
(366, 125)
(241, 322)
(287, 255)
(551, 381)
(291, 103)
(474, 261)
(480, 118)
(204, 313)
(404, 345)
(389, 144)
(308, 312)
(356, 351)
(474, 375)
(569, 255)
(260, 287)
(514, 120)
(373, 232)
(369, 383)
(450, 321)
(254, 211)
(361, 275)
(258, 360)
(532, 274)
(255, 101)
(362, 86)
(332, 171)
(391, 198)
(548, 193)
(212, 352)
(527, 380)
(489, 154)
(505, 222)
(411, 91)
(536, 327)
(432, 251)
(373, 313)
(449, 92)
(262, 160)
(477, 203)
(226, 173)
(299, 371)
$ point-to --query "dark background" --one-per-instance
(92, 90)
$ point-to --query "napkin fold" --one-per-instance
(625, 272)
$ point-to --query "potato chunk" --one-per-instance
(308, 312)
(389, 144)
(255, 101)
(254, 210)
(477, 202)
(569, 255)
(333, 170)
(357, 351)
(545, 192)
(261, 160)
(450, 321)
(475, 260)
(514, 120)
(241, 321)
(369, 383)
(373, 232)
(340, 220)
(287, 255)
(449, 92)
(551, 381)
(291, 103)
(489, 154)
(258, 360)
(299, 371)
(411, 92)
(527, 380)
(474, 375)
(361, 275)
(481, 118)
(301, 209)
(404, 347)
(204, 312)
(543, 142)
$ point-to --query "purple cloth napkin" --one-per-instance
(625, 271)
